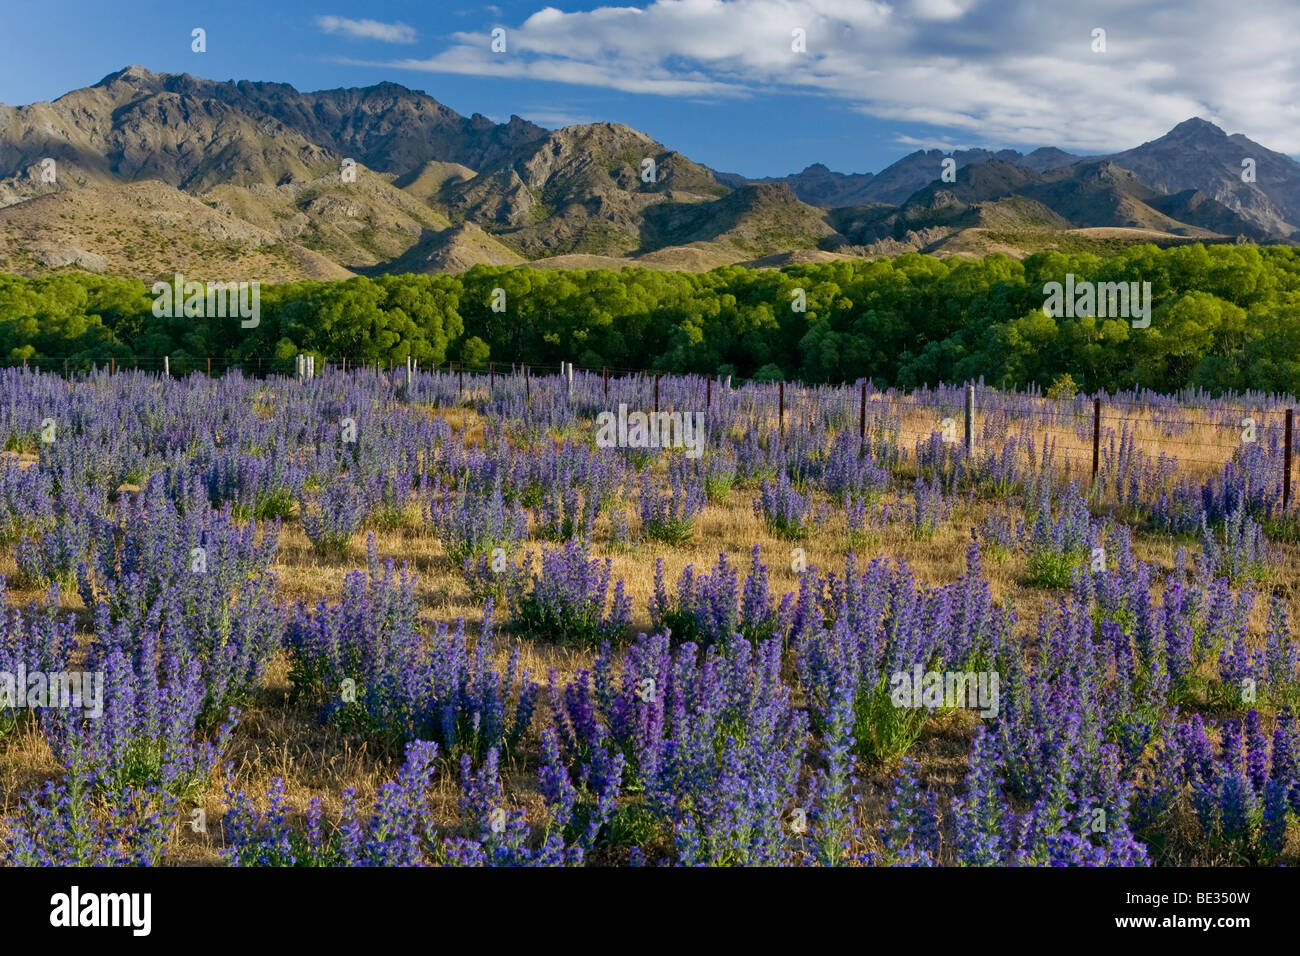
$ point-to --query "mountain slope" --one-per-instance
(454, 249)
(580, 190)
(753, 221)
(816, 185)
(356, 224)
(160, 171)
(132, 230)
(1198, 155)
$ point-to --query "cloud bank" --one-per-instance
(988, 71)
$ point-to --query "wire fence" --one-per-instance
(1087, 434)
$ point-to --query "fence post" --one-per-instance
(862, 416)
(528, 391)
(708, 392)
(167, 365)
(569, 379)
(460, 381)
(604, 374)
(1096, 436)
(209, 366)
(656, 393)
(781, 399)
(1286, 461)
(492, 378)
(970, 421)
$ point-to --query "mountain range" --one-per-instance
(158, 173)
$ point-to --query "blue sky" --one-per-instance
(718, 80)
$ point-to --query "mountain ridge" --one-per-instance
(385, 178)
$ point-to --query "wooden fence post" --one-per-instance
(970, 421)
(1096, 436)
(1286, 460)
(862, 415)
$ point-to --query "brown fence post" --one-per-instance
(209, 366)
(1096, 436)
(492, 377)
(528, 391)
(708, 392)
(1286, 460)
(780, 396)
(604, 374)
(862, 414)
(657, 393)
(460, 382)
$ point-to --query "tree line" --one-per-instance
(1223, 317)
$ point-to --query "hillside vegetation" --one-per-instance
(1222, 317)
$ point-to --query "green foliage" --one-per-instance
(1223, 317)
(882, 731)
(1063, 388)
(670, 531)
(1054, 569)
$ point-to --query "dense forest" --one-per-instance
(1223, 317)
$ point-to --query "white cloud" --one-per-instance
(556, 119)
(930, 142)
(990, 71)
(367, 29)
